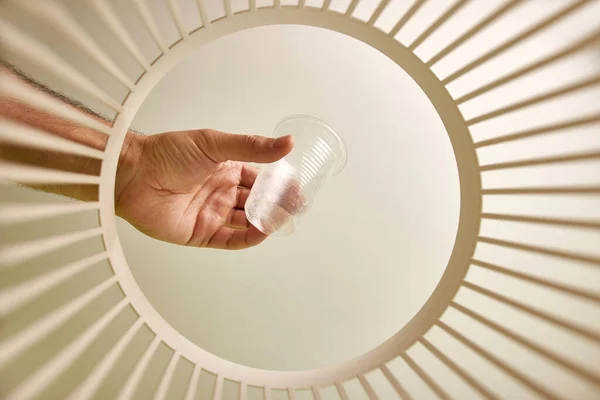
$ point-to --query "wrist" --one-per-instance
(129, 163)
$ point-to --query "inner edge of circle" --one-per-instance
(468, 224)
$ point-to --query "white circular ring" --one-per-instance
(470, 203)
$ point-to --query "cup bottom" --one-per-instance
(269, 217)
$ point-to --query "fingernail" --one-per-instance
(281, 142)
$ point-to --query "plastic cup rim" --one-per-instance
(341, 162)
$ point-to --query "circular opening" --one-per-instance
(373, 247)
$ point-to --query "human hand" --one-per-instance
(190, 187)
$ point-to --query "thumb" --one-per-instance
(250, 148)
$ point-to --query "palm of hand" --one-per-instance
(182, 194)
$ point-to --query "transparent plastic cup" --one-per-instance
(284, 190)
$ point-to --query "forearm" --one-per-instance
(25, 114)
